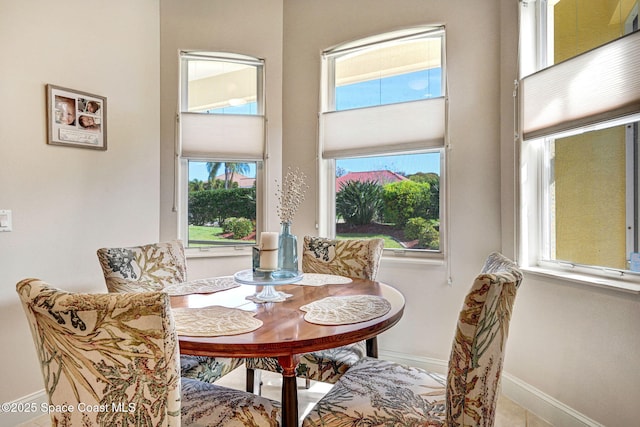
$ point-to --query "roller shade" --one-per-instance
(223, 136)
(598, 86)
(384, 129)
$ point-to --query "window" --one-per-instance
(382, 138)
(394, 197)
(580, 156)
(221, 148)
(590, 184)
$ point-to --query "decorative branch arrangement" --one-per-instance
(290, 194)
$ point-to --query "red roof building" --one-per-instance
(381, 177)
(242, 180)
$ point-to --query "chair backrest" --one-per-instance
(476, 358)
(358, 258)
(143, 268)
(106, 359)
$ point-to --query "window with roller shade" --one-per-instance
(382, 138)
(221, 148)
(579, 112)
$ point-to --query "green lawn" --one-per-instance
(197, 232)
(215, 234)
(389, 242)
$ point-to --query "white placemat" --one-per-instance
(202, 286)
(316, 279)
(214, 321)
(342, 310)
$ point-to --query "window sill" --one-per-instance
(417, 258)
(398, 257)
(612, 283)
(217, 252)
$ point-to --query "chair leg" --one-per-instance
(249, 380)
(253, 376)
(259, 379)
(372, 347)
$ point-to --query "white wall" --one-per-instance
(68, 202)
(247, 27)
(472, 43)
(574, 345)
(579, 344)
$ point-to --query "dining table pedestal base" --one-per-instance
(289, 390)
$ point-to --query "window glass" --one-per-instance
(221, 203)
(576, 26)
(221, 86)
(221, 147)
(394, 197)
(388, 73)
(590, 178)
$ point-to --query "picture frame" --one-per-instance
(76, 118)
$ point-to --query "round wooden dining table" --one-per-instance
(285, 334)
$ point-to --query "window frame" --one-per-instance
(327, 165)
(182, 162)
(533, 225)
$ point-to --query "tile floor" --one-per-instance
(508, 413)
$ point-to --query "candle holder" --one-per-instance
(287, 249)
(268, 279)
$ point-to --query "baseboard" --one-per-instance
(544, 406)
(430, 364)
(24, 409)
(535, 401)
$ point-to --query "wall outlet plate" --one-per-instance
(5, 220)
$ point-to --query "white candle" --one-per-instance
(269, 250)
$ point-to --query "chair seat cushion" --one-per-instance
(378, 392)
(207, 369)
(326, 365)
(206, 404)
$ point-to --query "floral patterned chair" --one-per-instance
(356, 258)
(379, 392)
(150, 268)
(112, 359)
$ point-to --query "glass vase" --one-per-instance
(287, 249)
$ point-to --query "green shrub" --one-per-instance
(359, 202)
(424, 231)
(240, 227)
(404, 200)
(430, 237)
(415, 228)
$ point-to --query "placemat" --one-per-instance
(316, 279)
(202, 286)
(214, 321)
(342, 310)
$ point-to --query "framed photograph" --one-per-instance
(76, 119)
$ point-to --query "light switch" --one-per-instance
(5, 220)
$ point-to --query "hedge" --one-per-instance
(210, 206)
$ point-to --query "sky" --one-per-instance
(406, 164)
(198, 170)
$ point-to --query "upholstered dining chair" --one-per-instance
(152, 267)
(112, 359)
(355, 258)
(380, 392)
